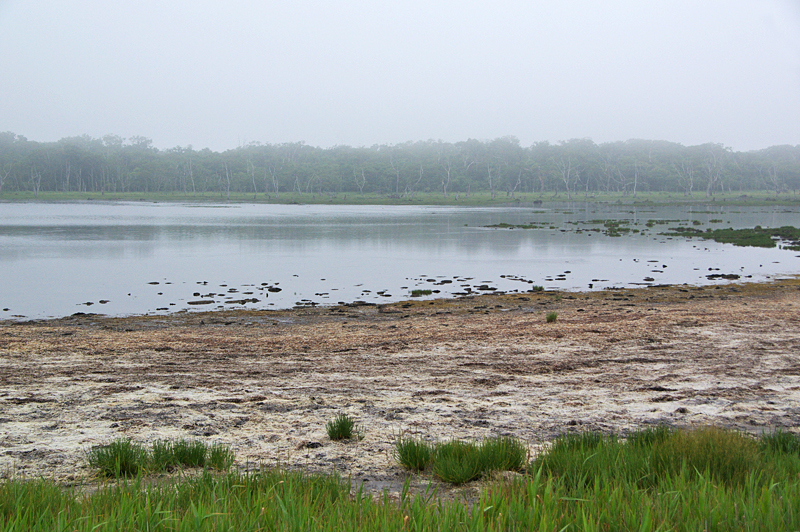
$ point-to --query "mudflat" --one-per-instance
(266, 382)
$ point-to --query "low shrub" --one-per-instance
(551, 317)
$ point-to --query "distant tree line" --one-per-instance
(500, 166)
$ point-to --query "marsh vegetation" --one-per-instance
(651, 479)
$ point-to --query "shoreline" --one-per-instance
(266, 382)
(753, 198)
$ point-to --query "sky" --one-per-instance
(362, 72)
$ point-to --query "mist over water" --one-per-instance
(136, 258)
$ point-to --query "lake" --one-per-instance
(126, 258)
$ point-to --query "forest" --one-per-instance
(577, 167)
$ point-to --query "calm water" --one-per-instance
(134, 258)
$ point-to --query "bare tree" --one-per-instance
(36, 179)
(409, 191)
(468, 161)
(713, 165)
(510, 191)
(273, 172)
(6, 170)
(569, 173)
(190, 169)
(67, 171)
(489, 175)
(251, 171)
(360, 180)
(685, 173)
(445, 160)
(396, 168)
(313, 177)
(227, 182)
(772, 178)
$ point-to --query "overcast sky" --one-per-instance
(362, 72)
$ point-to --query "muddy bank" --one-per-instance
(266, 382)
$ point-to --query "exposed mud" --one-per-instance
(266, 382)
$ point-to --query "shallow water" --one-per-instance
(133, 258)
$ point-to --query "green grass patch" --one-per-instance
(191, 453)
(458, 461)
(419, 293)
(503, 453)
(220, 457)
(342, 427)
(120, 458)
(781, 441)
(652, 480)
(124, 458)
(652, 456)
(551, 317)
(412, 453)
(516, 226)
(757, 237)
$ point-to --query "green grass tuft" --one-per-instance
(220, 457)
(342, 427)
(413, 454)
(419, 293)
(190, 453)
(162, 456)
(502, 453)
(551, 317)
(781, 441)
(728, 456)
(457, 462)
(121, 458)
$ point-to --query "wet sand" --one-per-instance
(266, 382)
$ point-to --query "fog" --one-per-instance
(222, 74)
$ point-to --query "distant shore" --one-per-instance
(476, 199)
